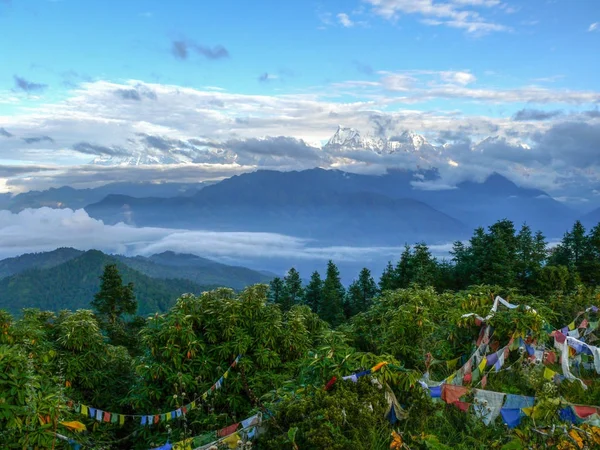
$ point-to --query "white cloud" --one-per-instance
(453, 13)
(594, 26)
(462, 78)
(45, 229)
(344, 20)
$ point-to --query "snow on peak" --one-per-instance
(346, 139)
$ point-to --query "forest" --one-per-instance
(491, 348)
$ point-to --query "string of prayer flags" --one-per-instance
(149, 419)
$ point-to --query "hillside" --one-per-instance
(72, 285)
(167, 265)
(199, 270)
(42, 260)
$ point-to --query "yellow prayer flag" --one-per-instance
(450, 378)
(482, 364)
(193, 404)
(528, 411)
(571, 325)
(226, 374)
(121, 419)
(376, 367)
(232, 440)
(74, 426)
(205, 396)
(549, 373)
(84, 410)
(452, 363)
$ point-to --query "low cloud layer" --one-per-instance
(45, 229)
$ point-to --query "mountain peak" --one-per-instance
(346, 139)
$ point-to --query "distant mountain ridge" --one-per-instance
(341, 208)
(68, 197)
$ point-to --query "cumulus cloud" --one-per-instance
(345, 20)
(181, 49)
(535, 114)
(28, 86)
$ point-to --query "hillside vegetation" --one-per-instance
(495, 321)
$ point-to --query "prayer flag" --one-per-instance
(514, 401)
(584, 411)
(482, 364)
(84, 410)
(121, 419)
(572, 325)
(143, 422)
(511, 417)
(92, 412)
(78, 427)
(227, 430)
(106, 417)
(451, 394)
(232, 440)
(566, 414)
(435, 391)
(99, 415)
(484, 381)
(463, 406)
(452, 363)
(114, 418)
(549, 374)
(376, 367)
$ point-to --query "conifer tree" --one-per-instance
(332, 309)
(292, 289)
(114, 299)
(387, 281)
(360, 293)
(314, 291)
(276, 290)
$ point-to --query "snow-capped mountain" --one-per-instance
(347, 139)
(151, 156)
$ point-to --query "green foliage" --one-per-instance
(73, 284)
(331, 309)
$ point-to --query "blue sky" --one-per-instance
(85, 79)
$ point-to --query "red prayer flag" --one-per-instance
(484, 381)
(227, 430)
(550, 358)
(584, 411)
(451, 393)
(583, 324)
(156, 419)
(467, 378)
(463, 406)
(559, 337)
(330, 383)
(106, 417)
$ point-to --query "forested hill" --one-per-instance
(72, 285)
(164, 265)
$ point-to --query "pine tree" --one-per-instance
(387, 281)
(314, 291)
(292, 289)
(403, 272)
(332, 309)
(114, 299)
(422, 266)
(276, 290)
(360, 293)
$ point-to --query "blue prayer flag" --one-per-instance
(435, 391)
(512, 417)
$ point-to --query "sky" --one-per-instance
(506, 86)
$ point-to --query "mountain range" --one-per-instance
(340, 208)
(67, 278)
